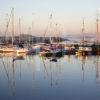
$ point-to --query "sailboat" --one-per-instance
(51, 49)
(96, 45)
(83, 49)
(9, 49)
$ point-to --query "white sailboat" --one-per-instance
(10, 49)
(83, 49)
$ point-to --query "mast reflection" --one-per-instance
(52, 71)
(97, 69)
(13, 80)
(6, 65)
(83, 61)
(82, 67)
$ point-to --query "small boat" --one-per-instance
(53, 60)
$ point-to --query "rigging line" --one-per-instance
(49, 25)
(8, 22)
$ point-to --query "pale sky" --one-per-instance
(68, 13)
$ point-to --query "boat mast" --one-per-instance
(6, 40)
(83, 31)
(29, 39)
(32, 31)
(33, 27)
(50, 29)
(19, 29)
(56, 31)
(59, 32)
(97, 29)
(12, 12)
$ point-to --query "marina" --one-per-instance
(50, 50)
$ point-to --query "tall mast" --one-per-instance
(19, 28)
(29, 31)
(50, 29)
(97, 29)
(33, 26)
(56, 30)
(83, 31)
(12, 12)
(32, 31)
(7, 30)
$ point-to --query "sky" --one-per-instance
(68, 14)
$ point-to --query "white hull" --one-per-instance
(7, 50)
(22, 50)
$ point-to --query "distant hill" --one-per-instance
(78, 37)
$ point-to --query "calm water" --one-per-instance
(36, 78)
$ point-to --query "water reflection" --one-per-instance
(96, 62)
(11, 83)
(13, 86)
(34, 77)
(52, 70)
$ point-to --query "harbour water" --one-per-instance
(36, 78)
